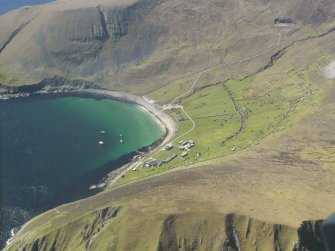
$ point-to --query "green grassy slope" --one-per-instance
(121, 229)
(238, 114)
(184, 208)
(264, 127)
(173, 39)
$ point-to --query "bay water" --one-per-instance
(50, 151)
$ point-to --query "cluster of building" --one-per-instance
(184, 146)
(153, 163)
(283, 21)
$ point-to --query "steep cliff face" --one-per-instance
(235, 232)
(310, 236)
(113, 228)
(78, 234)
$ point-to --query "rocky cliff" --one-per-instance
(114, 228)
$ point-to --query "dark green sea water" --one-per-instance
(49, 151)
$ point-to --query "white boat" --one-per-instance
(121, 141)
(121, 135)
(93, 187)
(101, 142)
(103, 132)
(101, 185)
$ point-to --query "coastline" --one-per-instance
(60, 86)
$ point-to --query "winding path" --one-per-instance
(175, 105)
(189, 91)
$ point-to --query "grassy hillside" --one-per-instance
(138, 46)
(237, 114)
(249, 92)
(271, 181)
(121, 229)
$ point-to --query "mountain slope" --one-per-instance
(132, 45)
(273, 177)
(118, 229)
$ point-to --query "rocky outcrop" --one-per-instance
(236, 232)
(84, 229)
(48, 85)
(310, 237)
(188, 232)
(97, 225)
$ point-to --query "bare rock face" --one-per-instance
(310, 236)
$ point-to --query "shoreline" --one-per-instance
(162, 119)
(54, 87)
(60, 86)
(83, 88)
